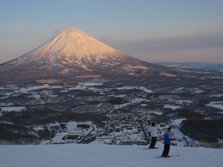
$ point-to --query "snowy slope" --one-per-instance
(99, 155)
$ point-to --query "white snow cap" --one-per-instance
(72, 47)
(76, 47)
(76, 43)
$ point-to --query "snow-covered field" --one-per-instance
(15, 108)
(216, 104)
(100, 155)
(173, 107)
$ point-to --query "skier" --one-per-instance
(153, 133)
(167, 140)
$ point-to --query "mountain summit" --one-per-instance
(72, 54)
(72, 46)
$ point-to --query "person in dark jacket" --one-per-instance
(167, 141)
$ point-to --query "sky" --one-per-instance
(150, 30)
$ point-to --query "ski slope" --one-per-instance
(100, 155)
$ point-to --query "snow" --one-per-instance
(89, 84)
(71, 128)
(132, 87)
(100, 155)
(217, 95)
(15, 108)
(183, 102)
(145, 90)
(144, 105)
(73, 46)
(117, 95)
(34, 88)
(156, 112)
(173, 107)
(177, 122)
(36, 96)
(45, 86)
(133, 101)
(216, 104)
(78, 87)
(75, 43)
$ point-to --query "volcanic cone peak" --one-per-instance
(73, 52)
(76, 47)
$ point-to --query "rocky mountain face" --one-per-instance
(74, 55)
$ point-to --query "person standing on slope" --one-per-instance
(167, 141)
(153, 133)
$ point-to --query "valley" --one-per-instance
(48, 113)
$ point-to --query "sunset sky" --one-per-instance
(151, 30)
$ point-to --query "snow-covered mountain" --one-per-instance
(218, 67)
(70, 47)
(73, 53)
